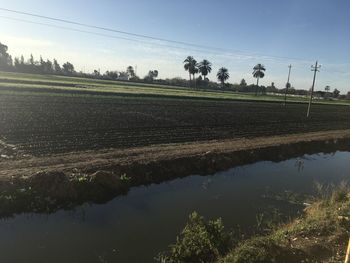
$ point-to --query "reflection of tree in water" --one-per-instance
(300, 164)
(206, 183)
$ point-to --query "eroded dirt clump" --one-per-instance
(106, 180)
(50, 190)
(79, 187)
(103, 184)
(55, 185)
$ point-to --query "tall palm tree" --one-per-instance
(191, 67)
(204, 68)
(258, 72)
(327, 89)
(223, 75)
(131, 72)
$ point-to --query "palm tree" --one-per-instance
(131, 71)
(204, 68)
(258, 72)
(194, 71)
(327, 89)
(191, 67)
(223, 75)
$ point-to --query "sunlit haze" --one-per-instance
(244, 33)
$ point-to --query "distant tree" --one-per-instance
(31, 60)
(123, 75)
(155, 74)
(41, 63)
(178, 81)
(152, 74)
(204, 68)
(68, 68)
(112, 75)
(45, 67)
(10, 61)
(288, 86)
(56, 67)
(272, 88)
(258, 72)
(336, 93)
(22, 60)
(5, 58)
(17, 63)
(131, 72)
(243, 83)
(327, 89)
(96, 73)
(48, 67)
(190, 65)
(135, 78)
(31, 66)
(223, 75)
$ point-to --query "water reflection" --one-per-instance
(300, 164)
(135, 227)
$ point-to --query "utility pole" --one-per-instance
(315, 69)
(287, 85)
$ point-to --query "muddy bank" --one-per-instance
(63, 181)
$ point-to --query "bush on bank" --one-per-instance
(320, 235)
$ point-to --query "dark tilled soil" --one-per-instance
(40, 125)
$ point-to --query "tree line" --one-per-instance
(41, 66)
(202, 68)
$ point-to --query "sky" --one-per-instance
(236, 35)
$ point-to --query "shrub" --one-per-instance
(199, 241)
(340, 193)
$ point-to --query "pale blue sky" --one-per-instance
(272, 32)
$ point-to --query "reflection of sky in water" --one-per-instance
(135, 227)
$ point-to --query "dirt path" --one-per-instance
(91, 160)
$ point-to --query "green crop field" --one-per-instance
(14, 82)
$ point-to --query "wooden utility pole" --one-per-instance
(315, 69)
(287, 85)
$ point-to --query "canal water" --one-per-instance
(135, 227)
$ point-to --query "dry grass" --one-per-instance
(319, 236)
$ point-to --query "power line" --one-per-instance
(99, 34)
(105, 28)
(134, 40)
(217, 49)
